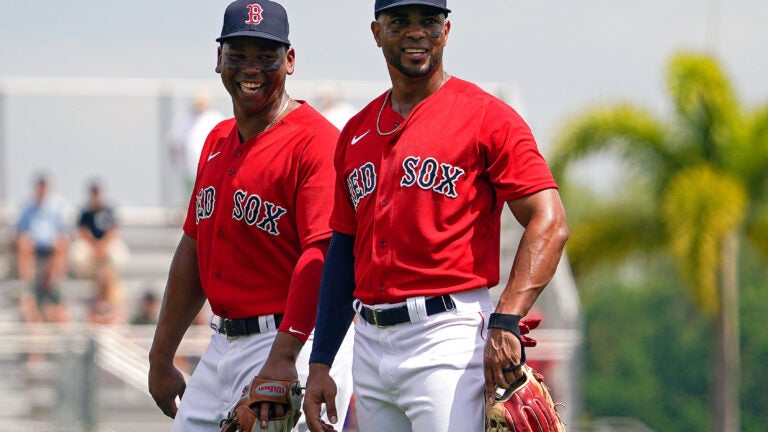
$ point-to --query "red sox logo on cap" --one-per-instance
(255, 18)
(254, 13)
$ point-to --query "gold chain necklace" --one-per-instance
(378, 119)
(279, 113)
(387, 97)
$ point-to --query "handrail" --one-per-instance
(118, 351)
(123, 358)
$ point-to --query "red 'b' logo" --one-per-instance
(254, 14)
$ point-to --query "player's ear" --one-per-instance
(218, 60)
(290, 60)
(375, 28)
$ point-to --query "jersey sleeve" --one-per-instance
(301, 305)
(315, 182)
(515, 166)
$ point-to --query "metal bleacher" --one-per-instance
(79, 376)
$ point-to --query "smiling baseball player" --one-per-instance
(254, 240)
(423, 173)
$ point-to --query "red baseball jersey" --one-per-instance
(255, 206)
(425, 202)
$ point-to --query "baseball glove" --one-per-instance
(245, 416)
(526, 406)
(526, 325)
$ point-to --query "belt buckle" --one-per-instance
(448, 308)
(376, 318)
(228, 326)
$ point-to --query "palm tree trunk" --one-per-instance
(726, 415)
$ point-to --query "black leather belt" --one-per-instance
(244, 326)
(399, 315)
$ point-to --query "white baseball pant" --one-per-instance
(426, 375)
(228, 365)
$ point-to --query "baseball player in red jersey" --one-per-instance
(255, 234)
(423, 173)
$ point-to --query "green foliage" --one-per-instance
(757, 231)
(701, 206)
(632, 132)
(706, 105)
(620, 228)
(648, 350)
(754, 342)
(647, 355)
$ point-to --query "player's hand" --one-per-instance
(165, 384)
(275, 368)
(321, 389)
(502, 350)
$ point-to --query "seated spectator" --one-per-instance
(148, 310)
(108, 304)
(41, 246)
(98, 253)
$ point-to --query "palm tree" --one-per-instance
(702, 190)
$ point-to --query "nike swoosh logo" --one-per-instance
(358, 138)
(211, 156)
(293, 330)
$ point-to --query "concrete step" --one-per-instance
(149, 238)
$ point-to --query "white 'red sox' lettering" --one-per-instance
(255, 211)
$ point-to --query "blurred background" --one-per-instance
(654, 116)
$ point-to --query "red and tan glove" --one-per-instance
(526, 406)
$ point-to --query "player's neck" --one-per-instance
(250, 125)
(407, 93)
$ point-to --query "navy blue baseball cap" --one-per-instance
(255, 18)
(382, 5)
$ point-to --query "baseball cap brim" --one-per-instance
(251, 33)
(410, 3)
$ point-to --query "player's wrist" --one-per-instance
(319, 367)
(285, 347)
(508, 322)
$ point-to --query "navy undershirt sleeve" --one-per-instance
(334, 307)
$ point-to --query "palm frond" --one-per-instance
(749, 161)
(633, 132)
(700, 207)
(612, 234)
(706, 105)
